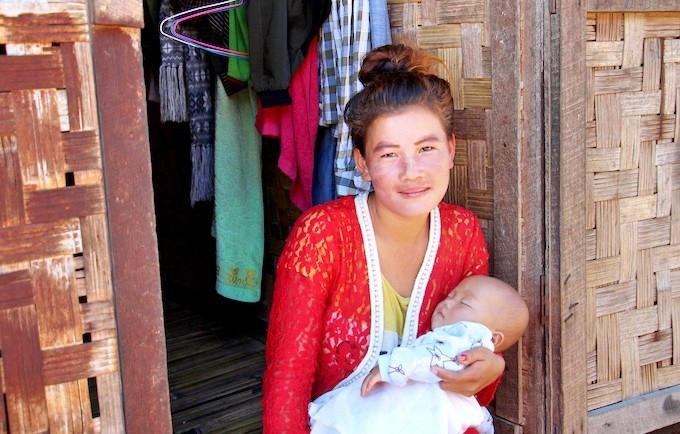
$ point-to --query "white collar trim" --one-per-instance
(375, 287)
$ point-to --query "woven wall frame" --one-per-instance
(632, 205)
(59, 350)
(457, 31)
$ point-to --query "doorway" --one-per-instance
(215, 346)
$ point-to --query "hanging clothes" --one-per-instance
(189, 27)
(295, 125)
(172, 87)
(280, 33)
(281, 36)
(226, 29)
(238, 227)
(345, 40)
(239, 70)
(323, 179)
(380, 24)
(201, 124)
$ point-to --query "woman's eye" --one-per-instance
(426, 148)
(388, 155)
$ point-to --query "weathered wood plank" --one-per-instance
(40, 240)
(66, 412)
(56, 302)
(38, 138)
(15, 289)
(568, 395)
(7, 125)
(79, 83)
(125, 155)
(517, 138)
(26, 26)
(632, 5)
(659, 408)
(31, 72)
(110, 389)
(11, 192)
(22, 368)
(460, 11)
(470, 124)
(97, 316)
(97, 258)
(504, 137)
(123, 13)
(477, 93)
(81, 151)
(471, 44)
(86, 360)
(43, 206)
(439, 36)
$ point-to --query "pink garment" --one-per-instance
(295, 125)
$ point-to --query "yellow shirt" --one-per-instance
(395, 316)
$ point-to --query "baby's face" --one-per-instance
(462, 304)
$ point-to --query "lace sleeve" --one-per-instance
(295, 325)
(477, 262)
(477, 259)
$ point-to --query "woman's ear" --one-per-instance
(497, 338)
(452, 149)
(360, 162)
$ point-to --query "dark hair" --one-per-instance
(396, 77)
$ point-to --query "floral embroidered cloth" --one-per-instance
(326, 321)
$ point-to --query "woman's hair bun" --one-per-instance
(395, 59)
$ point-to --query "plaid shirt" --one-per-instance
(345, 40)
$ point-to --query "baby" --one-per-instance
(481, 310)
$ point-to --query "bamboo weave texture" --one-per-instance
(58, 345)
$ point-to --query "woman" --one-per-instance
(361, 275)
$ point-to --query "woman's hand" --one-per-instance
(482, 367)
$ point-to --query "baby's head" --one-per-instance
(486, 300)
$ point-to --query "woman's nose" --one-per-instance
(410, 168)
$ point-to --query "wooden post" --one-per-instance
(129, 197)
(572, 320)
(517, 139)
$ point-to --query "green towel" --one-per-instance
(239, 215)
(238, 40)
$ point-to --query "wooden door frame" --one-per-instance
(517, 140)
(567, 400)
(121, 105)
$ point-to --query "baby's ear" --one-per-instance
(497, 338)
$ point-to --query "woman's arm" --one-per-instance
(294, 335)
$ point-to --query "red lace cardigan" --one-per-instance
(325, 325)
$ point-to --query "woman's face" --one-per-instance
(408, 158)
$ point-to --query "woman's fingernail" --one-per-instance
(462, 357)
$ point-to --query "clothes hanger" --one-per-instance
(175, 20)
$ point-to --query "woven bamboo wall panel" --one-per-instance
(458, 32)
(632, 205)
(58, 343)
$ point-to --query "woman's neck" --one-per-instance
(395, 228)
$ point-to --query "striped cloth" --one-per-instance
(345, 40)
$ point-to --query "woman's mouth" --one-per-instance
(414, 191)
